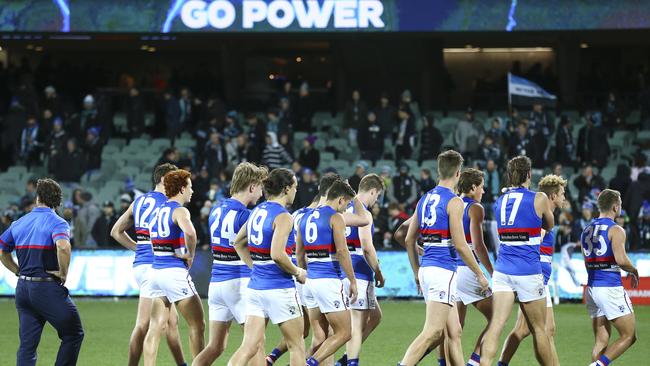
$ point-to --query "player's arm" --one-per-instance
(617, 237)
(281, 229)
(241, 246)
(369, 252)
(455, 211)
(181, 217)
(544, 210)
(63, 253)
(7, 246)
(343, 254)
(476, 216)
(118, 232)
(356, 218)
(301, 258)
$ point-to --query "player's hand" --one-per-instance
(417, 285)
(420, 249)
(353, 291)
(379, 279)
(301, 276)
(187, 258)
(485, 285)
(60, 276)
(635, 279)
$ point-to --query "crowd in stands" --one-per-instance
(53, 138)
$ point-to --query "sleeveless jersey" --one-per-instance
(546, 255)
(361, 268)
(318, 240)
(602, 270)
(224, 222)
(145, 210)
(434, 229)
(519, 230)
(167, 238)
(297, 215)
(467, 203)
(266, 275)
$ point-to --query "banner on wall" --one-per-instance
(110, 273)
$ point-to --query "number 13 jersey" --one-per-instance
(439, 251)
(519, 230)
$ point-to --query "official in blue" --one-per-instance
(42, 243)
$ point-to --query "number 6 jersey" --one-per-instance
(439, 251)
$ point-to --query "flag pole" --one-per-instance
(509, 96)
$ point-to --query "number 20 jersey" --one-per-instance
(439, 251)
(519, 230)
(224, 222)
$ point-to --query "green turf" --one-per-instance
(108, 325)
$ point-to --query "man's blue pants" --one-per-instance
(40, 302)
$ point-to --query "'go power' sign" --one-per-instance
(281, 14)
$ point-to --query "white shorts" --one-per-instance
(468, 289)
(438, 284)
(173, 283)
(327, 294)
(366, 298)
(528, 288)
(549, 300)
(610, 302)
(141, 273)
(279, 305)
(227, 300)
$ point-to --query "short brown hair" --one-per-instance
(469, 179)
(161, 170)
(518, 170)
(449, 162)
(277, 181)
(175, 181)
(48, 192)
(551, 184)
(371, 181)
(607, 199)
(326, 182)
(245, 175)
(340, 189)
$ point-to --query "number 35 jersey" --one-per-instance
(602, 269)
(439, 251)
(519, 230)
(224, 222)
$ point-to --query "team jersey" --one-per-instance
(434, 229)
(519, 230)
(224, 221)
(602, 269)
(266, 275)
(167, 238)
(297, 215)
(145, 210)
(467, 203)
(546, 255)
(34, 238)
(361, 268)
(318, 240)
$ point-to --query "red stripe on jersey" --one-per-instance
(546, 250)
(530, 231)
(330, 247)
(34, 246)
(468, 238)
(355, 242)
(601, 259)
(142, 231)
(174, 242)
(217, 248)
(443, 233)
(259, 250)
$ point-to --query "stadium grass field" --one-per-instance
(108, 325)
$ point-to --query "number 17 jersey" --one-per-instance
(439, 251)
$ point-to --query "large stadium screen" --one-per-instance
(176, 16)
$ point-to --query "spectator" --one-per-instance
(579, 225)
(185, 109)
(467, 135)
(490, 151)
(93, 152)
(304, 109)
(68, 166)
(309, 157)
(101, 230)
(613, 114)
(498, 133)
(287, 145)
(380, 222)
(88, 117)
(231, 129)
(621, 181)
(430, 139)
(404, 141)
(6, 219)
(216, 193)
(256, 138)
(644, 225)
(134, 113)
(87, 215)
(638, 192)
(512, 121)
(354, 116)
(593, 147)
(537, 149)
(172, 115)
(406, 100)
(397, 216)
(564, 146)
(57, 139)
(170, 155)
(272, 121)
(404, 186)
(286, 115)
(216, 157)
(31, 143)
(426, 182)
(492, 183)
(640, 166)
(386, 116)
(588, 181)
(29, 198)
(307, 189)
(371, 139)
(540, 122)
(52, 101)
(519, 141)
(125, 202)
(359, 172)
(275, 156)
